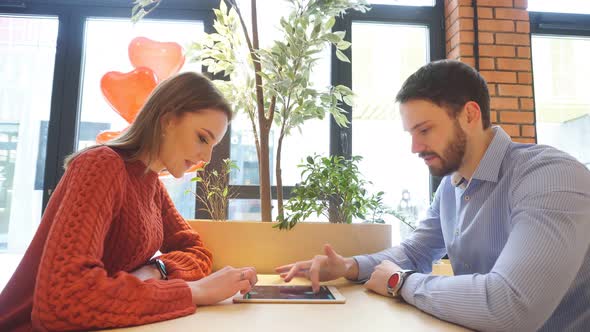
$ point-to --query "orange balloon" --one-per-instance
(127, 92)
(164, 58)
(105, 136)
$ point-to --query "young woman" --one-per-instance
(90, 263)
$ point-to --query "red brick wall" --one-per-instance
(504, 58)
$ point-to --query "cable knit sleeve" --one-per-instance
(184, 254)
(73, 290)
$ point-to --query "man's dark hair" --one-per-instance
(449, 84)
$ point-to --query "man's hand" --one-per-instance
(379, 277)
(321, 268)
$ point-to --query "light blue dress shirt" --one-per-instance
(518, 237)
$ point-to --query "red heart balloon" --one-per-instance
(105, 136)
(127, 92)
(164, 58)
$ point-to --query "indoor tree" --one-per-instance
(271, 85)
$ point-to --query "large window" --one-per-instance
(560, 48)
(27, 56)
(106, 42)
(376, 77)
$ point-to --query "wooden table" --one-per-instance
(363, 311)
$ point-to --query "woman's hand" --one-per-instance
(223, 284)
(147, 272)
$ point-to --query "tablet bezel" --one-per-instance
(338, 297)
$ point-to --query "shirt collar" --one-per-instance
(458, 181)
(489, 166)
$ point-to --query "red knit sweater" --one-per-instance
(106, 217)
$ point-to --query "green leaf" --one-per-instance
(349, 100)
(330, 23)
(343, 45)
(340, 34)
(316, 30)
(223, 7)
(135, 9)
(332, 38)
(344, 89)
(341, 56)
(138, 16)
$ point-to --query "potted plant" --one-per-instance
(214, 191)
(272, 85)
(334, 187)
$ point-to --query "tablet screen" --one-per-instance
(289, 293)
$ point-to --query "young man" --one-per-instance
(513, 218)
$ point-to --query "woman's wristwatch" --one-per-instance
(396, 281)
(160, 266)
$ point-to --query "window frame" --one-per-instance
(557, 24)
(565, 24)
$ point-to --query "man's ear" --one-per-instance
(472, 112)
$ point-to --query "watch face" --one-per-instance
(161, 265)
(393, 280)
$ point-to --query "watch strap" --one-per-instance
(405, 275)
(160, 266)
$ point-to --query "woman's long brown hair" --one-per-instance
(183, 93)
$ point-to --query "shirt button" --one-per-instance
(467, 197)
(457, 232)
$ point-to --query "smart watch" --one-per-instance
(160, 266)
(396, 281)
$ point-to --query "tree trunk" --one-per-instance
(335, 209)
(279, 175)
(264, 124)
(264, 176)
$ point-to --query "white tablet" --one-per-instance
(291, 294)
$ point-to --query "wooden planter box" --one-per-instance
(258, 244)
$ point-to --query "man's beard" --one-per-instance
(453, 154)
